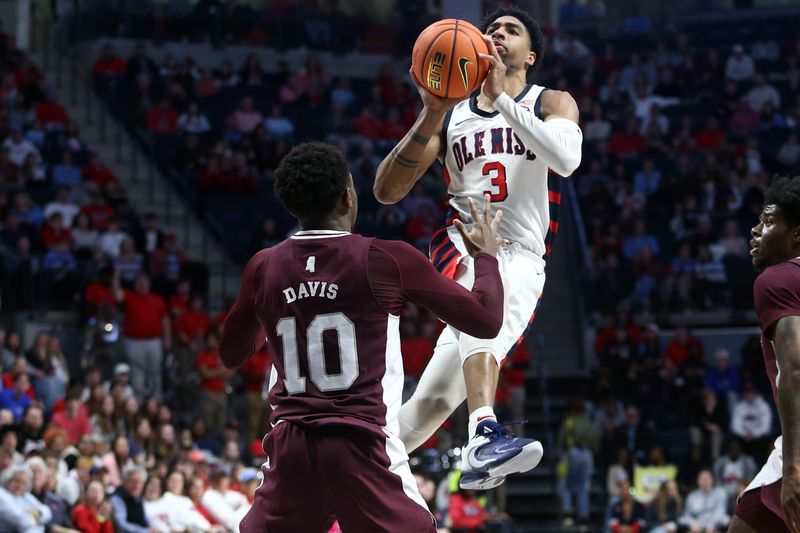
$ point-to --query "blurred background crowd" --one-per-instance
(137, 426)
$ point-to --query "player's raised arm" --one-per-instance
(405, 164)
(478, 312)
(242, 334)
(557, 139)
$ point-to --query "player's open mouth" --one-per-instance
(753, 248)
(498, 45)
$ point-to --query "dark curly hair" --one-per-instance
(785, 193)
(534, 31)
(311, 178)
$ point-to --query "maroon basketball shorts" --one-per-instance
(312, 475)
(761, 509)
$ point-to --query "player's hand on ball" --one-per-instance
(496, 79)
(790, 500)
(483, 235)
(431, 101)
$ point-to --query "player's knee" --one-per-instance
(439, 405)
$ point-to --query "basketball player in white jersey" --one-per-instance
(501, 140)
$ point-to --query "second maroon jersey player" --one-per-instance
(771, 502)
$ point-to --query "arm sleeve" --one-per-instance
(399, 273)
(557, 141)
(776, 295)
(242, 334)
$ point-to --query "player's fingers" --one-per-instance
(496, 221)
(475, 218)
(492, 48)
(490, 58)
(462, 229)
(487, 205)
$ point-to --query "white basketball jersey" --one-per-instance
(483, 154)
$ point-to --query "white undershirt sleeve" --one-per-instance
(557, 141)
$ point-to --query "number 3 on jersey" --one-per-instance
(348, 353)
(498, 173)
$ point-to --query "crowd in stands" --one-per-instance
(677, 433)
(679, 146)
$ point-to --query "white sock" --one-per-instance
(479, 415)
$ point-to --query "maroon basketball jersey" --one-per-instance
(336, 351)
(330, 304)
(776, 295)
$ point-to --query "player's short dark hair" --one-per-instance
(785, 193)
(535, 32)
(311, 178)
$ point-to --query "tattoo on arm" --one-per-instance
(404, 161)
(417, 138)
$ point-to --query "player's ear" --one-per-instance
(531, 59)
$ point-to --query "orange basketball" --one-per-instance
(445, 58)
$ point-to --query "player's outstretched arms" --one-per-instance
(400, 273)
(557, 139)
(242, 334)
(787, 351)
(400, 170)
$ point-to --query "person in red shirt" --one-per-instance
(51, 115)
(99, 212)
(54, 232)
(100, 174)
(193, 325)
(162, 119)
(627, 143)
(93, 513)
(710, 137)
(147, 332)
(254, 372)
(74, 419)
(99, 294)
(109, 64)
(467, 514)
(212, 383)
(179, 302)
(678, 349)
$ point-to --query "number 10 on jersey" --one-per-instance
(348, 353)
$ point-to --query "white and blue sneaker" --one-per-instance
(493, 453)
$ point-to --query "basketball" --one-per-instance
(445, 59)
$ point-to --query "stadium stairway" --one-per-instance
(532, 498)
(69, 76)
(559, 329)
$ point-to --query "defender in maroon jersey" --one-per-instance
(771, 503)
(329, 302)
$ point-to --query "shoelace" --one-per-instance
(502, 429)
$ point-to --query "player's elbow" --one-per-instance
(383, 193)
(567, 163)
(489, 328)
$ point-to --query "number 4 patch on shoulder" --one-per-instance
(310, 264)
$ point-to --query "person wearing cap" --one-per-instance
(121, 375)
(148, 332)
(751, 421)
(740, 66)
